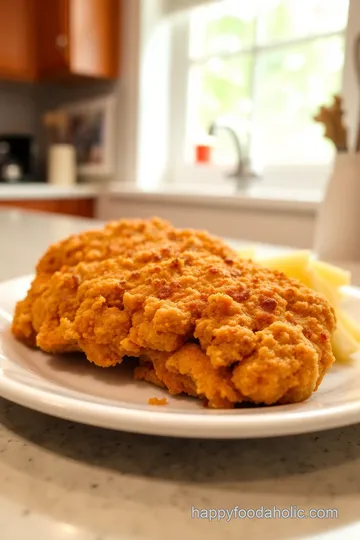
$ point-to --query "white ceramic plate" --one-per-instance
(70, 387)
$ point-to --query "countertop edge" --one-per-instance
(301, 205)
(43, 191)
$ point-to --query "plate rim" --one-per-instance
(174, 423)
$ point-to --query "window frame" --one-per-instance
(313, 176)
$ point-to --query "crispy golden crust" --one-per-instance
(124, 238)
(119, 238)
(203, 322)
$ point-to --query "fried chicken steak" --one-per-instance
(199, 320)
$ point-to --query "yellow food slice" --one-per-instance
(349, 324)
(343, 343)
(334, 275)
(294, 265)
(325, 287)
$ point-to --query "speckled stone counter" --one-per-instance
(62, 481)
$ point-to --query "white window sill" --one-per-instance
(271, 198)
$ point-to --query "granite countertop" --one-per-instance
(62, 481)
(41, 190)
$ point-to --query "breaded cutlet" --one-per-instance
(201, 321)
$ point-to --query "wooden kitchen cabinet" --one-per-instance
(52, 36)
(72, 207)
(78, 39)
(59, 39)
(17, 40)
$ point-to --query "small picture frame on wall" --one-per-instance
(90, 127)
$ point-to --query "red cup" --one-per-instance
(202, 153)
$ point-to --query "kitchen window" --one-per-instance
(262, 67)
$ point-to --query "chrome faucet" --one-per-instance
(243, 172)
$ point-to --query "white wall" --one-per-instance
(294, 229)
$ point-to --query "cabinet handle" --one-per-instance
(61, 41)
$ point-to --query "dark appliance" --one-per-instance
(17, 158)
